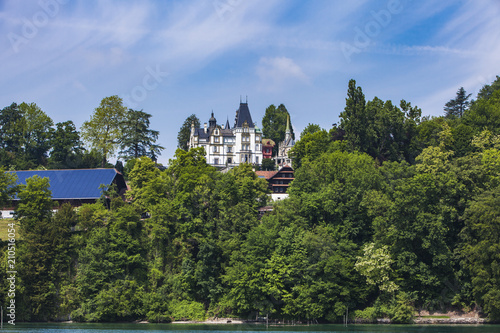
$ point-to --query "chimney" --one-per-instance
(205, 127)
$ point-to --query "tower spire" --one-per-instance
(288, 133)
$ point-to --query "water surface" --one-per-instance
(247, 328)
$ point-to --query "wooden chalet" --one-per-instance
(278, 181)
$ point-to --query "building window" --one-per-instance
(216, 139)
(215, 149)
(216, 161)
(229, 149)
(257, 138)
(256, 159)
(229, 160)
(257, 147)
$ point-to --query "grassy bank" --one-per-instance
(4, 229)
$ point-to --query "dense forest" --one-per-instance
(389, 213)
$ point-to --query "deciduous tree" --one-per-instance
(103, 130)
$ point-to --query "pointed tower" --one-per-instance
(242, 115)
(288, 133)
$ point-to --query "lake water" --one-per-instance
(200, 328)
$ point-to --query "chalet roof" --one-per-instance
(266, 174)
(242, 115)
(75, 184)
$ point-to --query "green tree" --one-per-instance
(36, 131)
(455, 108)
(354, 120)
(310, 147)
(67, 148)
(24, 135)
(35, 203)
(480, 249)
(488, 89)
(37, 253)
(11, 128)
(268, 164)
(8, 187)
(185, 131)
(485, 114)
(310, 129)
(274, 124)
(103, 130)
(137, 139)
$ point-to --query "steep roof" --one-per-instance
(242, 115)
(75, 184)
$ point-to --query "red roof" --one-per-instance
(266, 174)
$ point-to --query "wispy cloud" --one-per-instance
(279, 72)
(279, 51)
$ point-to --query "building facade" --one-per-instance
(267, 148)
(227, 147)
(279, 181)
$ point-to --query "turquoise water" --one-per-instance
(200, 328)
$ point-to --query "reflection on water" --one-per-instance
(201, 328)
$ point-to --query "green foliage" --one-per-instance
(309, 147)
(456, 108)
(103, 131)
(403, 312)
(185, 131)
(268, 164)
(67, 149)
(388, 213)
(274, 124)
(480, 250)
(35, 202)
(8, 187)
(375, 265)
(25, 135)
(310, 129)
(187, 310)
(137, 139)
(378, 128)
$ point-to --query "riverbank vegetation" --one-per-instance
(389, 213)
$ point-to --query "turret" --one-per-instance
(212, 122)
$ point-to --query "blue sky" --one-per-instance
(175, 58)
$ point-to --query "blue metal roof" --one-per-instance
(72, 184)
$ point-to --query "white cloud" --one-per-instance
(274, 73)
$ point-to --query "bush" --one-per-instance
(368, 315)
(187, 310)
(403, 311)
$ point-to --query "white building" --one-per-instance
(225, 146)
